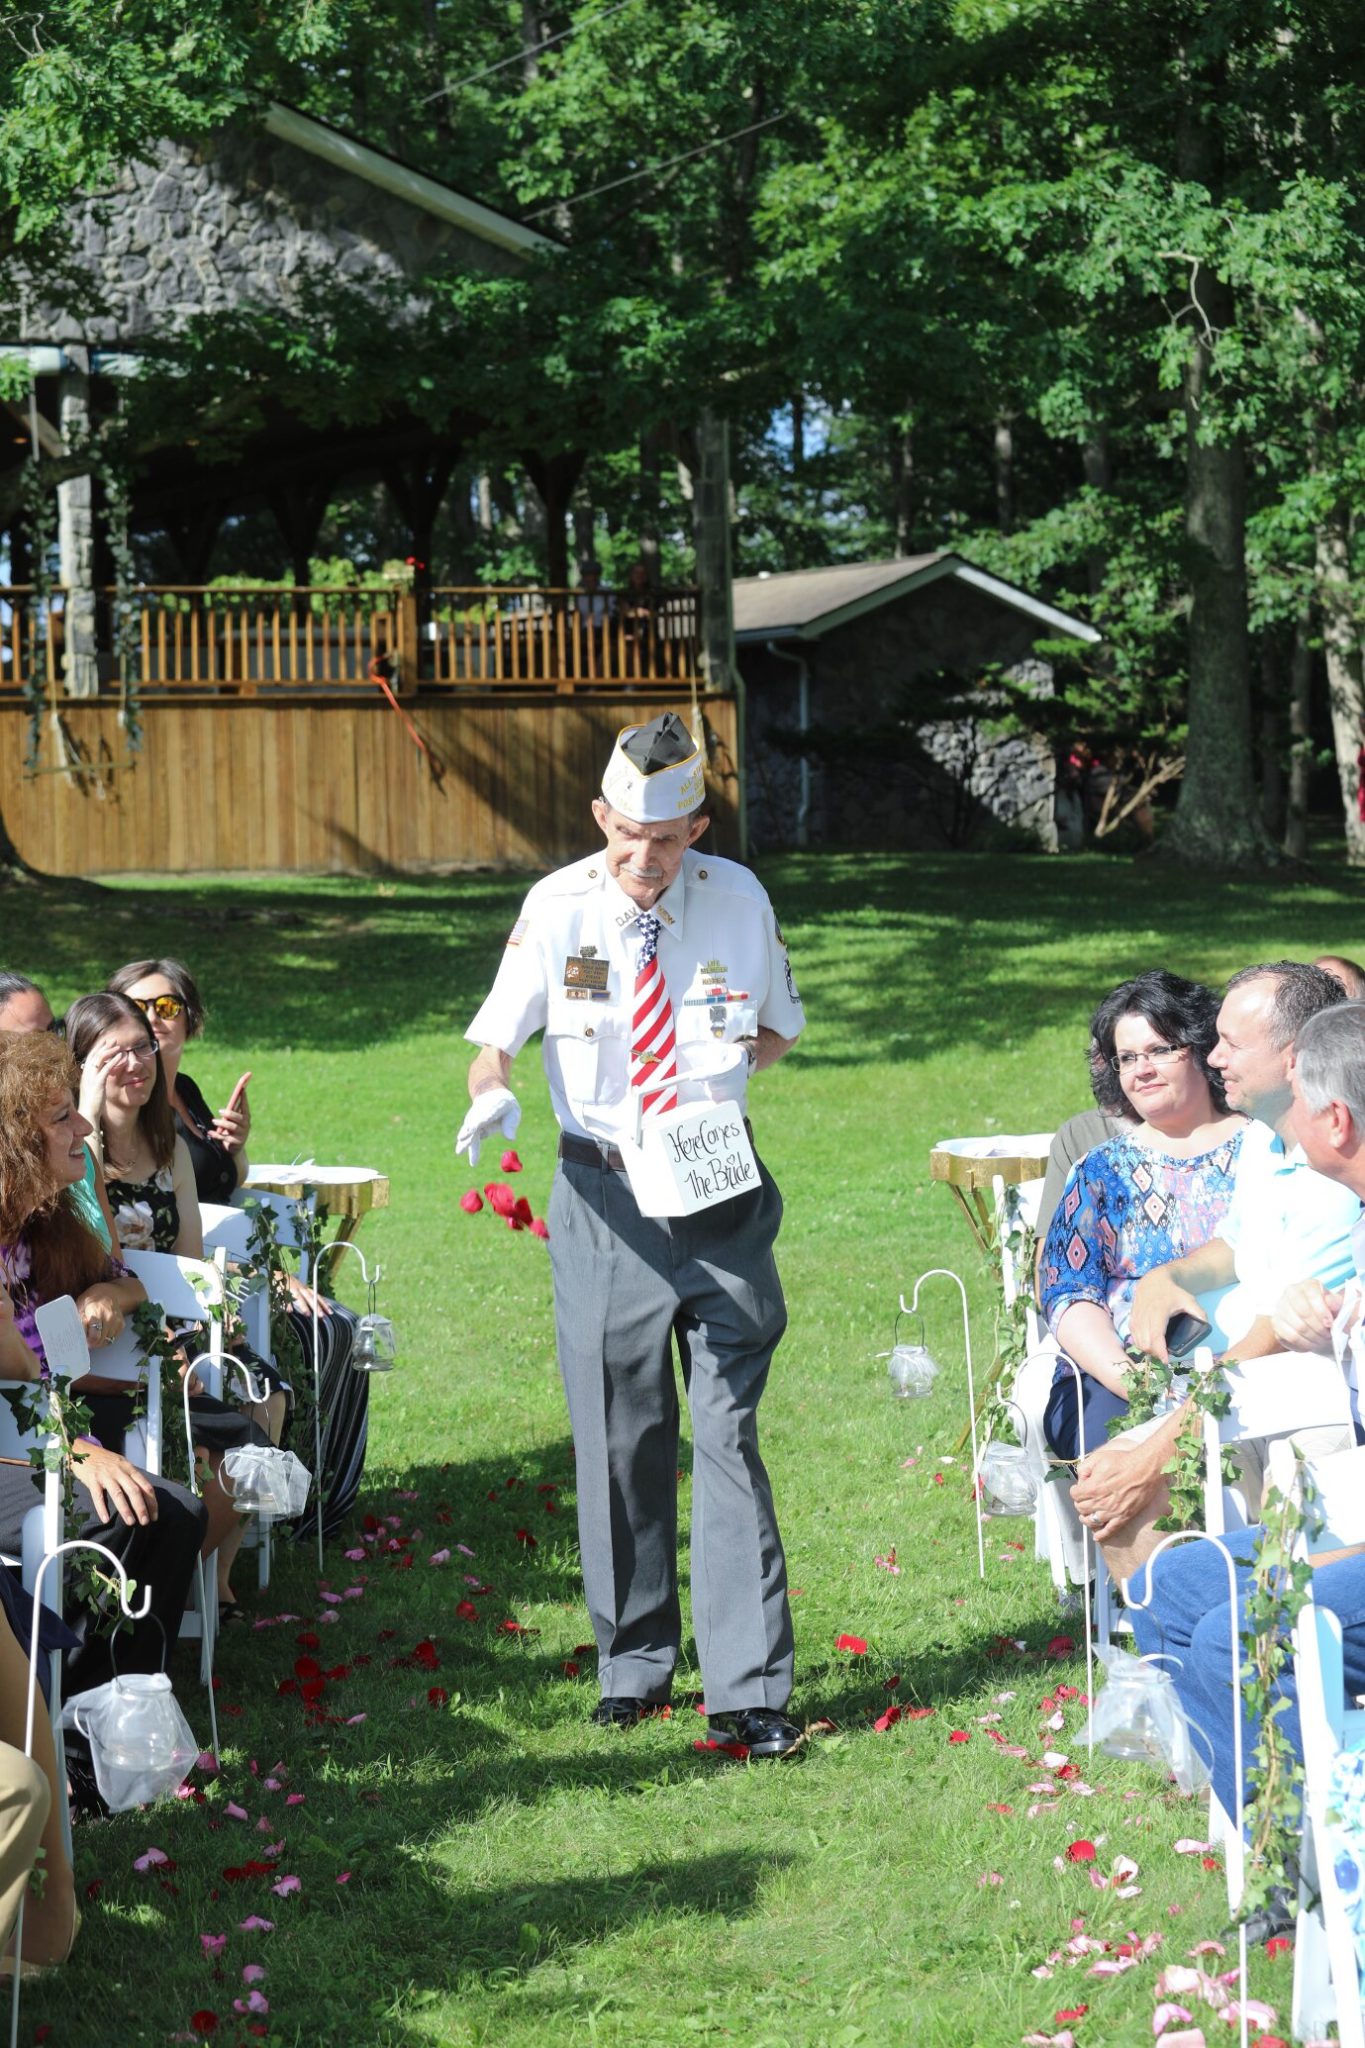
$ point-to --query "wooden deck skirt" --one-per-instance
(311, 781)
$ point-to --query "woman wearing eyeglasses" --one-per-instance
(166, 993)
(148, 1176)
(1147, 1196)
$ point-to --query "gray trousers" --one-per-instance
(626, 1285)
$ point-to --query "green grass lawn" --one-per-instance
(515, 1876)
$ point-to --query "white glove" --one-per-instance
(495, 1107)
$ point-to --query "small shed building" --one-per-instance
(834, 653)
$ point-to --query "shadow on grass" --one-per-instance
(345, 963)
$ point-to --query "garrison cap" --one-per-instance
(656, 771)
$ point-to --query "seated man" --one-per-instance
(1286, 1224)
(1189, 1617)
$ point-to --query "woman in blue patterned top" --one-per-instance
(1159, 1189)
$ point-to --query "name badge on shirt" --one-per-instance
(585, 974)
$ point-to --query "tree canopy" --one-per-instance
(1074, 287)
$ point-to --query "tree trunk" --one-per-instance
(1004, 474)
(1098, 473)
(1341, 648)
(1300, 738)
(711, 528)
(554, 476)
(1271, 738)
(903, 484)
(649, 504)
(1217, 818)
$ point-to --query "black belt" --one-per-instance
(584, 1152)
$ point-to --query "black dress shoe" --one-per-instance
(617, 1711)
(763, 1731)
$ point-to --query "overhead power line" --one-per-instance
(653, 170)
(505, 63)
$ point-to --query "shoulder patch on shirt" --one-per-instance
(517, 933)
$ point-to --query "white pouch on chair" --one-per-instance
(263, 1481)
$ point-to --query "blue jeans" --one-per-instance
(1189, 1619)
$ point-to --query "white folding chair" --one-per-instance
(1227, 1827)
(1327, 1978)
(190, 1291)
(44, 1525)
(292, 1234)
(46, 1586)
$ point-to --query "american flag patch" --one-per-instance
(514, 937)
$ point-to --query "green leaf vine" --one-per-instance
(1281, 1586)
(1154, 1386)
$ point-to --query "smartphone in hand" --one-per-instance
(1184, 1333)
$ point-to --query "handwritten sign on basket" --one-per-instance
(691, 1158)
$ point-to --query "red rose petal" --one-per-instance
(959, 1735)
(510, 1163)
(1081, 1852)
(1279, 1945)
(1070, 2012)
(887, 1720)
(471, 1202)
(204, 2022)
(853, 1644)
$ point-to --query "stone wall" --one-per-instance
(247, 219)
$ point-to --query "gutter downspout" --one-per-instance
(802, 667)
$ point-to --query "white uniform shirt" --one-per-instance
(569, 970)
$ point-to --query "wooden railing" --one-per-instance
(570, 639)
(32, 636)
(241, 642)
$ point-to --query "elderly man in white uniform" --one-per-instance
(661, 980)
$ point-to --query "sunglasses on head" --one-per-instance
(167, 1008)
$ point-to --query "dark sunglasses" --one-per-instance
(167, 1008)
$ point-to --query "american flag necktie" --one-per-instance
(653, 1042)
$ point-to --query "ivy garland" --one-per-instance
(40, 523)
(1154, 1386)
(114, 480)
(1281, 1585)
(58, 1420)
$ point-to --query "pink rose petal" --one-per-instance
(236, 1812)
(213, 1944)
(295, 1798)
(152, 1860)
(254, 1924)
(287, 1885)
(253, 1973)
(465, 1550)
(439, 1557)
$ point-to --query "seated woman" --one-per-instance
(166, 992)
(1140, 1199)
(151, 1190)
(24, 1007)
(46, 1250)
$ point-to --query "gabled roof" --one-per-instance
(345, 153)
(805, 604)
